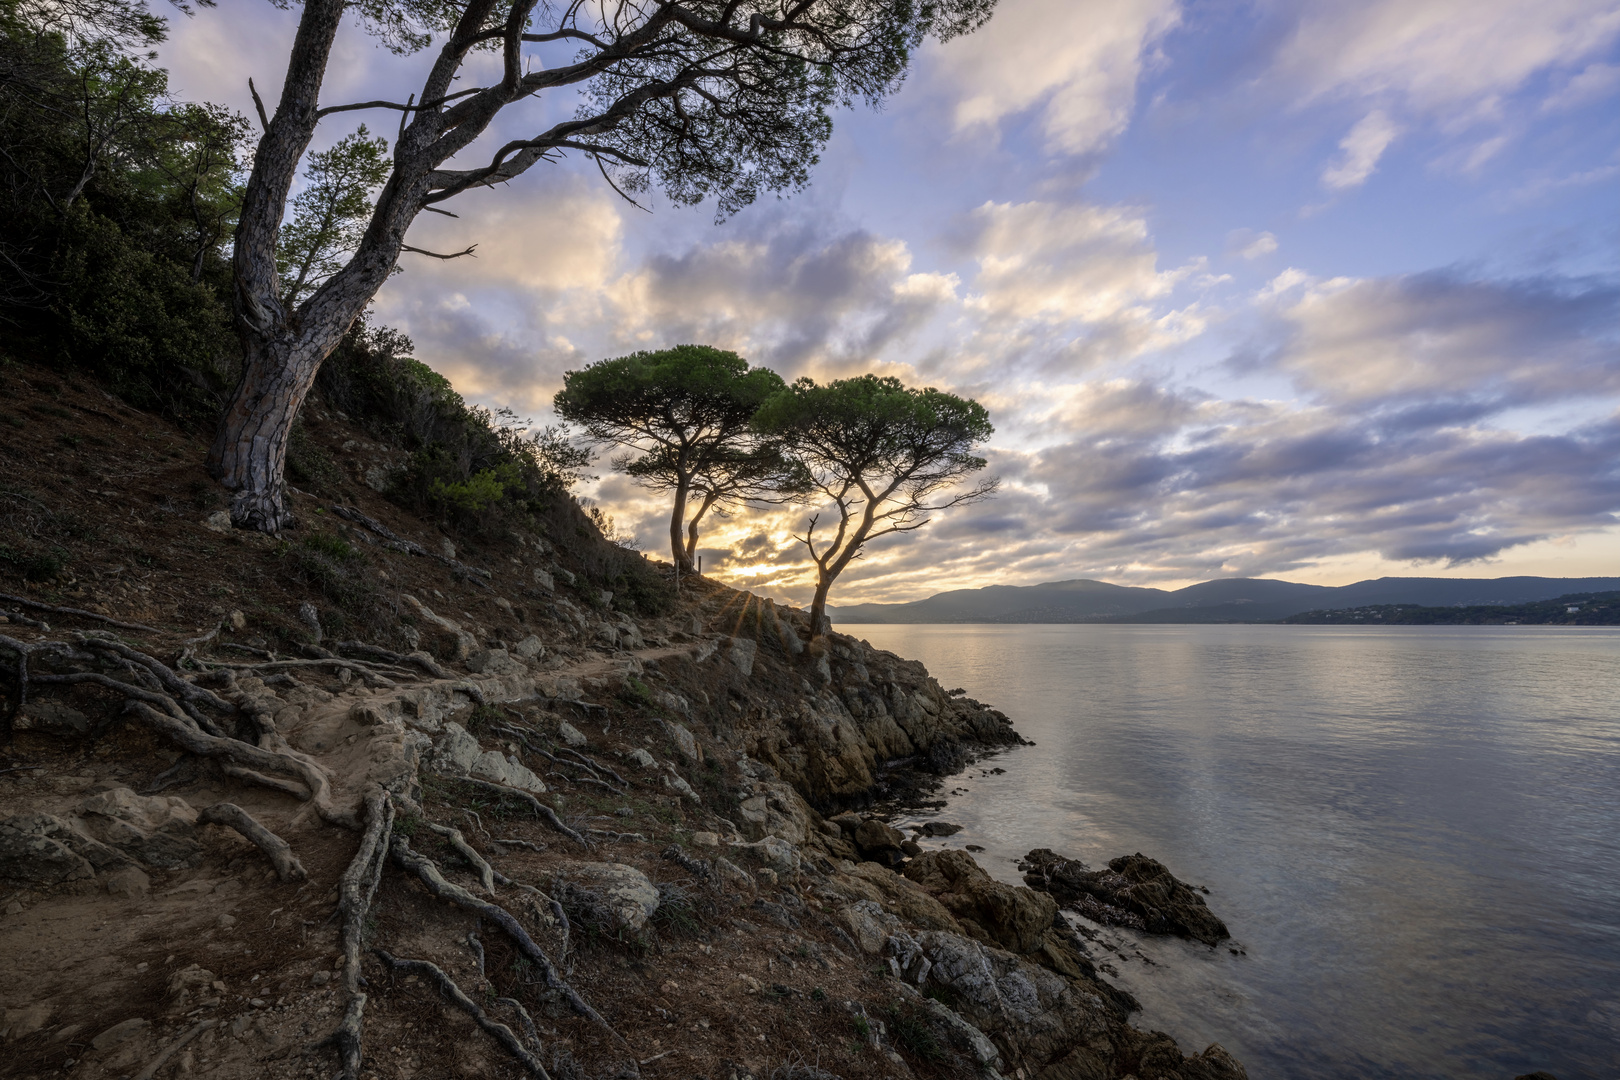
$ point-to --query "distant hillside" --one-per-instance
(1223, 600)
(1575, 609)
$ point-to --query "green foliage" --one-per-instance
(913, 1032)
(115, 203)
(481, 471)
(307, 462)
(636, 692)
(683, 416)
(881, 453)
(330, 213)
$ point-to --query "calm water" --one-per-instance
(1413, 833)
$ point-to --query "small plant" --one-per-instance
(913, 1032)
(818, 994)
(636, 692)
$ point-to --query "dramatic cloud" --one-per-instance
(1077, 64)
(1435, 337)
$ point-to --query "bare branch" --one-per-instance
(435, 254)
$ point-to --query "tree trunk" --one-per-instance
(249, 455)
(818, 606)
(677, 519)
(692, 529)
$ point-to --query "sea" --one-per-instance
(1413, 833)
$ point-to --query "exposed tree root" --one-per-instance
(397, 542)
(290, 787)
(593, 764)
(173, 1048)
(254, 758)
(447, 986)
(19, 617)
(545, 812)
(288, 868)
(585, 780)
(373, 674)
(387, 656)
(356, 889)
(486, 873)
(35, 605)
(425, 869)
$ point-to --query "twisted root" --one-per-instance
(447, 986)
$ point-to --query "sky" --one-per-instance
(1320, 290)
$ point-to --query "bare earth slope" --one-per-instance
(352, 803)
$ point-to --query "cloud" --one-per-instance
(1438, 336)
(1248, 244)
(1360, 151)
(1078, 64)
(1451, 59)
(1593, 83)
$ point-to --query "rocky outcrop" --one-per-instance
(1013, 1015)
(1134, 891)
(1012, 917)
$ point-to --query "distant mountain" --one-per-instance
(1222, 600)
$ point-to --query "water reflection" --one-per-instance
(1414, 833)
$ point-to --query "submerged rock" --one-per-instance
(1134, 891)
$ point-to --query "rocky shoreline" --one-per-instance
(531, 833)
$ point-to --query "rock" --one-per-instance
(777, 853)
(571, 735)
(910, 848)
(731, 872)
(742, 653)
(492, 662)
(627, 891)
(461, 643)
(869, 925)
(237, 621)
(878, 841)
(1013, 917)
(320, 978)
(49, 718)
(456, 751)
(744, 985)
(130, 881)
(38, 849)
(939, 828)
(679, 785)
(544, 580)
(189, 985)
(506, 770)
(225, 922)
(18, 1023)
(157, 830)
(446, 548)
(219, 521)
(1134, 891)
(566, 575)
(684, 741)
(706, 839)
(530, 648)
(119, 1034)
(641, 758)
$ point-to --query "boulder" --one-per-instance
(878, 841)
(492, 662)
(938, 828)
(38, 850)
(1134, 891)
(506, 770)
(456, 750)
(154, 829)
(1013, 917)
(544, 580)
(742, 653)
(49, 718)
(641, 759)
(530, 648)
(684, 741)
(681, 787)
(627, 892)
(570, 734)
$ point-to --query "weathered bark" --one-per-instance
(692, 528)
(677, 522)
(288, 868)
